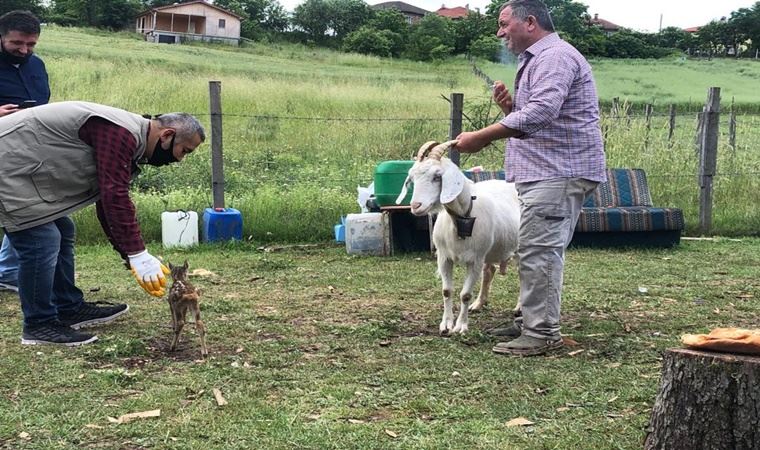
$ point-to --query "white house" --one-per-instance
(196, 20)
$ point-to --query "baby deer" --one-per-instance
(183, 296)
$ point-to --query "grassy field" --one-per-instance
(304, 126)
(313, 348)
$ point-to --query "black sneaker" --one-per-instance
(7, 286)
(91, 314)
(55, 333)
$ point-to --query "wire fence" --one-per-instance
(335, 154)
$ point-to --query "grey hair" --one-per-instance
(521, 9)
(186, 125)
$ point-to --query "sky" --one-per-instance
(639, 15)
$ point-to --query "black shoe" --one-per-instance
(90, 314)
(55, 333)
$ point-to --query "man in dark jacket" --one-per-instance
(23, 83)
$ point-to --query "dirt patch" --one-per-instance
(188, 350)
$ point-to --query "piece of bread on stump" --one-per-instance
(731, 340)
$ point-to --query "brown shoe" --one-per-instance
(528, 346)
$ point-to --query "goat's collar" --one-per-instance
(464, 223)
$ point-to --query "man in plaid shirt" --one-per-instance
(555, 157)
(59, 158)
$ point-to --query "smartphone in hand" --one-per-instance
(27, 104)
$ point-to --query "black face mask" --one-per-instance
(13, 59)
(161, 157)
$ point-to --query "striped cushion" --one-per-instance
(624, 187)
(484, 175)
(622, 203)
(635, 218)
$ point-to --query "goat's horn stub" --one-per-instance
(425, 149)
(437, 152)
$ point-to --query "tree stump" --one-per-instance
(707, 401)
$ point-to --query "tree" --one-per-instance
(112, 14)
(389, 19)
(674, 37)
(431, 38)
(347, 16)
(487, 47)
(34, 6)
(312, 17)
(747, 23)
(260, 17)
(471, 28)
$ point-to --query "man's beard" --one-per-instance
(11, 58)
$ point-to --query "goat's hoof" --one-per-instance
(475, 307)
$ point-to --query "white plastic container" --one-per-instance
(179, 228)
(367, 234)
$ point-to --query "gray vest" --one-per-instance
(46, 171)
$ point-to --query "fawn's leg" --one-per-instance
(171, 310)
(179, 320)
(200, 327)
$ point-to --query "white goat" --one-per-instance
(478, 230)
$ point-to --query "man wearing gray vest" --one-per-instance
(57, 159)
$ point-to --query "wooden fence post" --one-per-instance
(732, 127)
(648, 108)
(672, 123)
(708, 156)
(217, 162)
(455, 126)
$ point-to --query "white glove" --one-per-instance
(149, 272)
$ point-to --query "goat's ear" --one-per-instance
(452, 183)
(185, 265)
(171, 266)
(404, 188)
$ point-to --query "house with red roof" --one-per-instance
(455, 13)
(412, 13)
(607, 27)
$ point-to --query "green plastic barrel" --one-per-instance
(389, 179)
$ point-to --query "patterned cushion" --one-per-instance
(635, 218)
(624, 187)
(622, 203)
(484, 175)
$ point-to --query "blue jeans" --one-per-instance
(8, 263)
(46, 270)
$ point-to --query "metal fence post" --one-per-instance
(217, 161)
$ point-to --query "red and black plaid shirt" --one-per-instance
(114, 149)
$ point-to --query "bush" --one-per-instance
(487, 47)
(369, 42)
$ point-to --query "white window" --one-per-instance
(222, 23)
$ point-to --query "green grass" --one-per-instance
(313, 348)
(304, 126)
